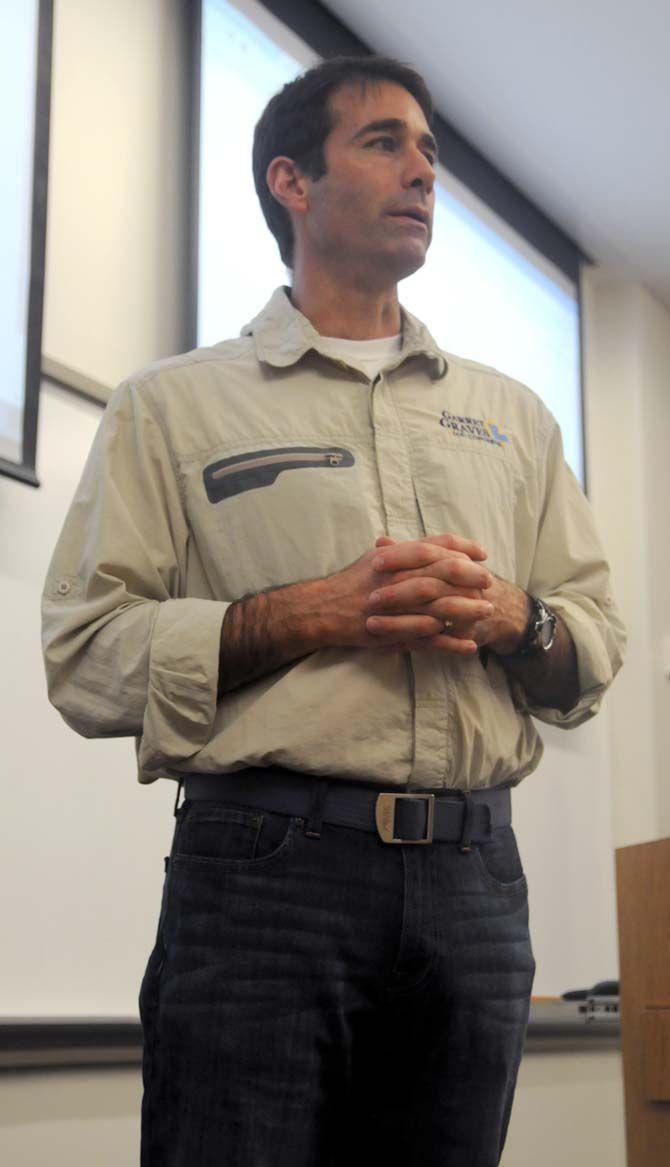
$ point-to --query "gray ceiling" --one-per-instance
(569, 99)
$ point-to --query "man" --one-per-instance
(307, 588)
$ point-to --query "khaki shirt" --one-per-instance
(261, 462)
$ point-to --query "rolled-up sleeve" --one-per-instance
(125, 653)
(571, 574)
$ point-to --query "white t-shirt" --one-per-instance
(372, 355)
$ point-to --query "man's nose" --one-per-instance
(420, 172)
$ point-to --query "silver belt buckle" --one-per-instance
(385, 817)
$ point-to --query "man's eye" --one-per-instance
(387, 143)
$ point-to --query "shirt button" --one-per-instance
(63, 587)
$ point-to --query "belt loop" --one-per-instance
(181, 783)
(465, 843)
(315, 821)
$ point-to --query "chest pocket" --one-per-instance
(470, 492)
(250, 471)
(269, 516)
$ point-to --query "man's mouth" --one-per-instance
(419, 214)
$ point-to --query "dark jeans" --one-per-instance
(333, 1001)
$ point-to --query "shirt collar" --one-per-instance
(282, 335)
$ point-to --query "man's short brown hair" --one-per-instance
(297, 120)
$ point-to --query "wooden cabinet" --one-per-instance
(643, 895)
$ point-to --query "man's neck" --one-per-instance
(346, 310)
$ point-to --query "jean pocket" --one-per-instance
(235, 836)
(499, 861)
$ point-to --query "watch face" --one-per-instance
(546, 633)
(545, 627)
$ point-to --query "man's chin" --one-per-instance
(409, 263)
(398, 262)
(385, 266)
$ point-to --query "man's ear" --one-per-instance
(287, 184)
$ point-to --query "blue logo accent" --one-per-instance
(497, 434)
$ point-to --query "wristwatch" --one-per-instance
(541, 630)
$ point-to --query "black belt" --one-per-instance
(398, 816)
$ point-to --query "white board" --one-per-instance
(83, 843)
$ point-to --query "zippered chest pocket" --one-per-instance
(230, 476)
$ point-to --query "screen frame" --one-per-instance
(25, 471)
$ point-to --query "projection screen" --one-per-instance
(485, 293)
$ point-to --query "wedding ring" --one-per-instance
(448, 624)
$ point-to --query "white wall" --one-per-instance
(654, 348)
(627, 374)
(114, 302)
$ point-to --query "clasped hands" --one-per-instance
(436, 593)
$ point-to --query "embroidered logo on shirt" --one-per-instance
(474, 427)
